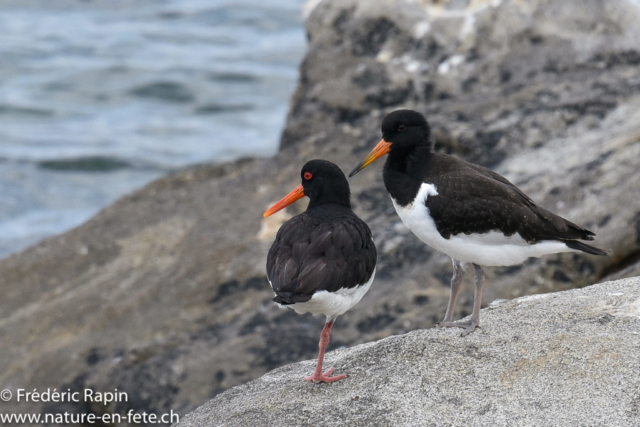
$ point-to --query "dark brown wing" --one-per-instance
(501, 179)
(311, 255)
(486, 201)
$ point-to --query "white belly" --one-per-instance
(333, 304)
(490, 249)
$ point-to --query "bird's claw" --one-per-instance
(468, 326)
(325, 377)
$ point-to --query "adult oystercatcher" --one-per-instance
(470, 213)
(323, 261)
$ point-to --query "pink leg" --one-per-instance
(470, 325)
(318, 376)
(456, 281)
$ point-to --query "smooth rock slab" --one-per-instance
(568, 358)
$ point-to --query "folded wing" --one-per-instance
(491, 200)
(328, 256)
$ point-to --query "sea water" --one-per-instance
(99, 97)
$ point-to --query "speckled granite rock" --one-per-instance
(163, 294)
(567, 358)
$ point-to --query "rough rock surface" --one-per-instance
(567, 358)
(163, 294)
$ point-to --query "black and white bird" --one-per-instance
(470, 213)
(323, 261)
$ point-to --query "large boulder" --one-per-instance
(163, 294)
(567, 358)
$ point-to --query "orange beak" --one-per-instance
(380, 150)
(297, 193)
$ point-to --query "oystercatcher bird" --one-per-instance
(470, 213)
(323, 261)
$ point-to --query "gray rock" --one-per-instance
(568, 358)
(163, 294)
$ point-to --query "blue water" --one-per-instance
(99, 97)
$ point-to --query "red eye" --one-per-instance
(307, 176)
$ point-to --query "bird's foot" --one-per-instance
(325, 377)
(468, 326)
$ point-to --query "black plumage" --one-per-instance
(473, 199)
(325, 248)
(323, 260)
(463, 199)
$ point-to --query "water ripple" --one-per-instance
(127, 90)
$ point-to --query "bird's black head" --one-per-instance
(405, 128)
(402, 132)
(323, 182)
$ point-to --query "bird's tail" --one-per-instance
(288, 298)
(574, 244)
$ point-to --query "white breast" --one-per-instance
(333, 304)
(490, 249)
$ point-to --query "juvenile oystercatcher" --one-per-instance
(470, 213)
(323, 261)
